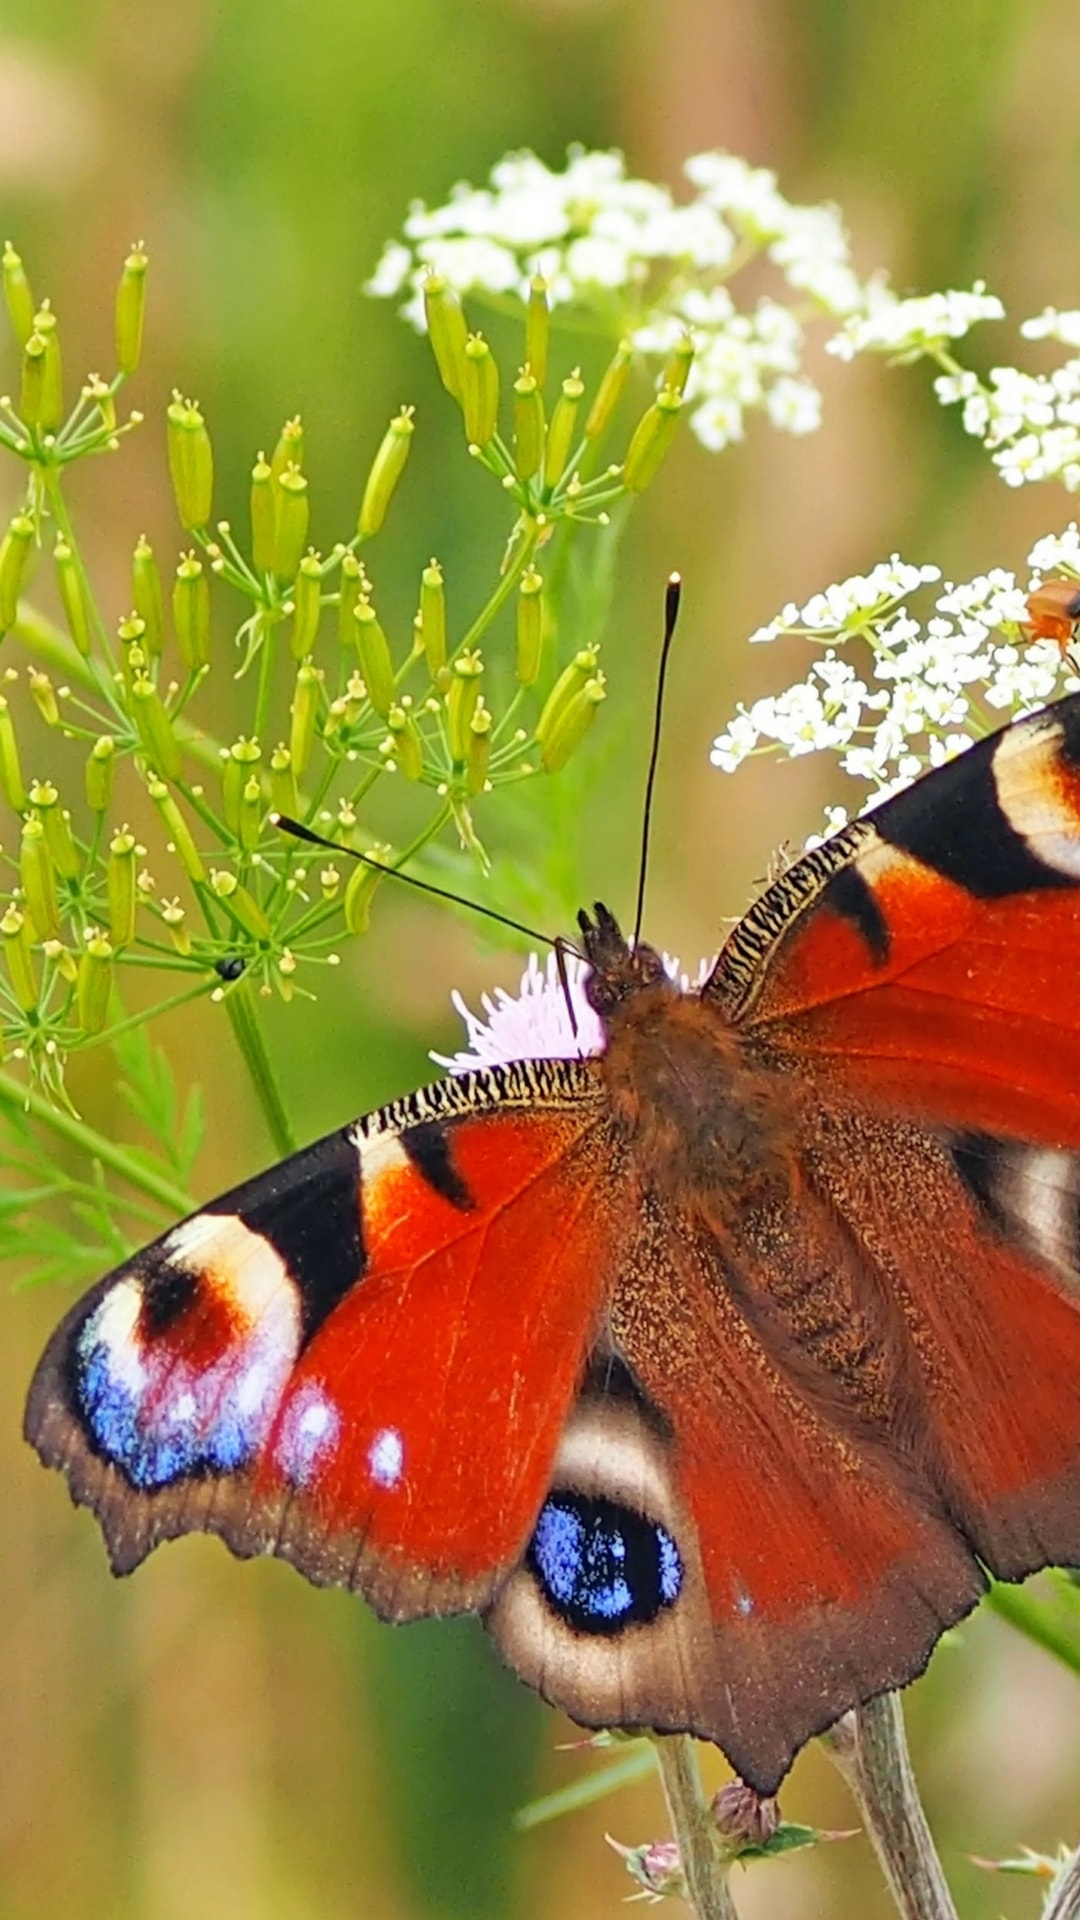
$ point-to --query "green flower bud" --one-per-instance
(446, 331)
(571, 726)
(73, 600)
(57, 824)
(177, 829)
(154, 728)
(120, 879)
(238, 765)
(38, 878)
(537, 329)
(289, 451)
(352, 582)
(99, 774)
(610, 391)
(18, 298)
(32, 394)
(478, 752)
(191, 461)
(560, 435)
(133, 656)
(461, 701)
(479, 391)
(307, 606)
(147, 597)
(174, 917)
(528, 425)
(283, 795)
(19, 958)
(191, 613)
(361, 887)
(373, 651)
(433, 617)
(11, 780)
(99, 394)
(16, 549)
(290, 532)
(243, 905)
(569, 683)
(386, 470)
(94, 988)
(64, 962)
(263, 516)
(51, 392)
(679, 362)
(530, 627)
(408, 749)
(305, 709)
(130, 309)
(43, 697)
(251, 813)
(650, 441)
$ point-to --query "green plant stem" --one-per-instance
(1032, 1616)
(248, 1035)
(870, 1749)
(523, 554)
(706, 1874)
(13, 1093)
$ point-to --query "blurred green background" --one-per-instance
(217, 1738)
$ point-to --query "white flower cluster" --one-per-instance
(932, 686)
(907, 329)
(651, 268)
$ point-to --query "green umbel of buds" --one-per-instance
(361, 888)
(57, 824)
(478, 752)
(461, 701)
(290, 531)
(16, 549)
(43, 384)
(241, 904)
(479, 391)
(43, 696)
(559, 741)
(283, 795)
(304, 713)
(154, 727)
(239, 762)
(130, 310)
(38, 878)
(651, 439)
(581, 669)
(191, 461)
(72, 597)
(18, 298)
(100, 766)
(191, 613)
(433, 617)
(147, 596)
(537, 329)
(351, 582)
(373, 651)
(528, 425)
(610, 391)
(560, 435)
(289, 451)
(177, 828)
(263, 515)
(386, 470)
(19, 958)
(307, 605)
(446, 331)
(120, 879)
(408, 750)
(530, 627)
(11, 780)
(94, 985)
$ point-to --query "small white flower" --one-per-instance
(911, 327)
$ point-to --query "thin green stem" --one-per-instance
(67, 1126)
(526, 547)
(249, 1038)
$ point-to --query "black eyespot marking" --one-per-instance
(977, 1158)
(602, 1567)
(428, 1148)
(849, 895)
(955, 824)
(309, 1211)
(167, 1293)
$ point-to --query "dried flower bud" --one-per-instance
(610, 391)
(289, 451)
(651, 439)
(238, 764)
(408, 750)
(461, 701)
(94, 987)
(361, 887)
(560, 434)
(38, 878)
(100, 766)
(743, 1818)
(191, 613)
(657, 1866)
(178, 830)
(44, 697)
(130, 310)
(16, 549)
(191, 461)
(147, 596)
(373, 651)
(242, 905)
(19, 958)
(433, 617)
(528, 425)
(307, 606)
(537, 329)
(305, 709)
(478, 751)
(17, 295)
(562, 737)
(154, 728)
(283, 795)
(386, 470)
(446, 331)
(530, 627)
(11, 780)
(290, 531)
(121, 882)
(479, 391)
(57, 824)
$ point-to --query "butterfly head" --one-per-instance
(619, 970)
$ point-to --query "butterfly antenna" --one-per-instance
(300, 832)
(672, 597)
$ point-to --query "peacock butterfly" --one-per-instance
(715, 1368)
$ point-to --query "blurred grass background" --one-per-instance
(215, 1738)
